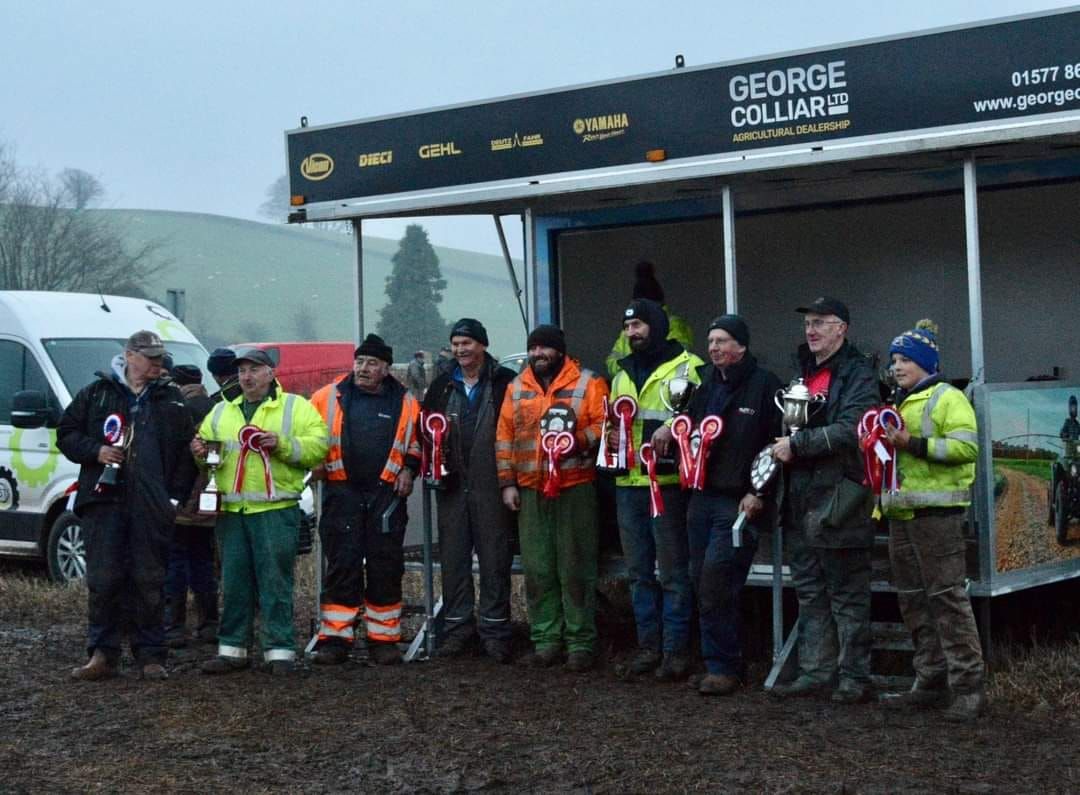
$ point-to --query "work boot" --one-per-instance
(580, 661)
(850, 692)
(801, 687)
(718, 685)
(922, 695)
(455, 644)
(153, 672)
(280, 667)
(385, 653)
(330, 654)
(965, 707)
(673, 668)
(544, 658)
(98, 667)
(174, 620)
(498, 650)
(206, 611)
(645, 661)
(223, 665)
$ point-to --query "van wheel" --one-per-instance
(67, 552)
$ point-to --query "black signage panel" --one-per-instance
(1006, 70)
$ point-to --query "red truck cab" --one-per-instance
(304, 367)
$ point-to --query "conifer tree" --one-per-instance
(410, 320)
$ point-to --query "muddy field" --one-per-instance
(471, 724)
(1024, 537)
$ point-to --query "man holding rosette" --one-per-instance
(268, 440)
(130, 432)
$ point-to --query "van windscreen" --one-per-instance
(77, 360)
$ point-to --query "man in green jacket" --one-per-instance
(269, 440)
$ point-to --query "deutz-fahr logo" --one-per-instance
(317, 166)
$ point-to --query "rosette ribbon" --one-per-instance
(113, 429)
(879, 455)
(250, 438)
(682, 428)
(656, 499)
(436, 425)
(709, 430)
(555, 444)
(625, 409)
(604, 457)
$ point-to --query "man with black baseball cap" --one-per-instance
(374, 454)
(827, 511)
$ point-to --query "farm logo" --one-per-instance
(503, 144)
(9, 490)
(599, 128)
(317, 166)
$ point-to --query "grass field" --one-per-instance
(246, 280)
(1040, 468)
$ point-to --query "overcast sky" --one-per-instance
(183, 106)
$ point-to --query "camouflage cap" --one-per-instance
(147, 343)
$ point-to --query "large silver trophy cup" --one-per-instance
(676, 393)
(797, 404)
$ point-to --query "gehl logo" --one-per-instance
(317, 166)
(428, 151)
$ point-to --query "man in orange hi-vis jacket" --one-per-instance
(374, 454)
(545, 452)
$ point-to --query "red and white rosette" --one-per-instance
(656, 499)
(879, 455)
(556, 445)
(113, 428)
(250, 438)
(436, 426)
(709, 430)
(625, 409)
(682, 428)
(605, 458)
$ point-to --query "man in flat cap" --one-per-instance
(828, 530)
(471, 513)
(269, 440)
(374, 455)
(129, 431)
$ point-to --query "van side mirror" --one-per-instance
(31, 409)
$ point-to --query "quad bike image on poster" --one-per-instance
(1036, 476)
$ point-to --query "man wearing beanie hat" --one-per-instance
(222, 366)
(472, 517)
(828, 527)
(374, 455)
(662, 607)
(559, 534)
(735, 389)
(936, 452)
(647, 286)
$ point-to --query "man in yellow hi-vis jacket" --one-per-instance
(269, 440)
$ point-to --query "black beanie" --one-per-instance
(373, 345)
(184, 374)
(733, 325)
(652, 315)
(645, 283)
(472, 328)
(548, 337)
(222, 362)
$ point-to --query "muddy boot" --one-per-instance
(206, 611)
(965, 707)
(802, 687)
(216, 666)
(98, 667)
(645, 661)
(718, 685)
(922, 695)
(385, 653)
(174, 620)
(330, 654)
(673, 668)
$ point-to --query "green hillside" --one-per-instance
(247, 280)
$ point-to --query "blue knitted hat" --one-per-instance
(920, 345)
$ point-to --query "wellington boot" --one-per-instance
(97, 668)
(965, 707)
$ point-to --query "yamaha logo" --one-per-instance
(317, 167)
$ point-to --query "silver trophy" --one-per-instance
(676, 393)
(210, 497)
(797, 404)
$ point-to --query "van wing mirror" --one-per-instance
(31, 409)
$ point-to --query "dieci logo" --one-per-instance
(317, 166)
(598, 128)
(376, 159)
(428, 151)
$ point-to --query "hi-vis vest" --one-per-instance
(943, 416)
(651, 412)
(406, 436)
(301, 445)
(518, 457)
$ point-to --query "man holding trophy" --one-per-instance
(130, 432)
(827, 511)
(649, 385)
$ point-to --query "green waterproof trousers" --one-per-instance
(559, 549)
(258, 552)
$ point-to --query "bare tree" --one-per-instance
(50, 241)
(276, 207)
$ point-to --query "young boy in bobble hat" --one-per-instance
(936, 451)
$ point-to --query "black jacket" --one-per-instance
(159, 466)
(825, 496)
(751, 421)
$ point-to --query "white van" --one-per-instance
(51, 346)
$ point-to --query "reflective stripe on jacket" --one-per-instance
(943, 416)
(518, 456)
(651, 412)
(327, 402)
(678, 329)
(301, 445)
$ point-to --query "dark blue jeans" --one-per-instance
(718, 571)
(662, 606)
(191, 562)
